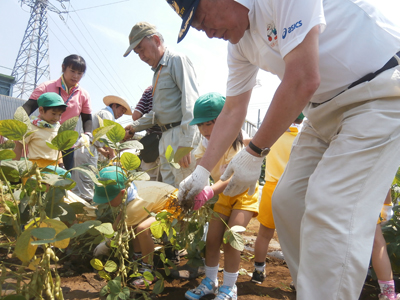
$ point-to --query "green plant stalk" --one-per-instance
(16, 221)
(24, 150)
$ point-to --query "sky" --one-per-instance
(98, 30)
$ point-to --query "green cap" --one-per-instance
(138, 32)
(114, 173)
(207, 108)
(301, 116)
(50, 100)
(60, 171)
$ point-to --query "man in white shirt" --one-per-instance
(337, 63)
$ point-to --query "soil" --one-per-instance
(87, 284)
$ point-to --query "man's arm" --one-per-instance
(136, 115)
(299, 83)
(226, 129)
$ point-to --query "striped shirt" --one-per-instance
(145, 105)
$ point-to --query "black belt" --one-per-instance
(390, 64)
(169, 126)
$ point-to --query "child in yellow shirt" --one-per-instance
(45, 128)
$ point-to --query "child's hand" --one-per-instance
(206, 194)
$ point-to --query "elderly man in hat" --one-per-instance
(115, 108)
(338, 62)
(174, 94)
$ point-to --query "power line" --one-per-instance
(99, 5)
(95, 82)
(110, 65)
(5, 67)
(101, 79)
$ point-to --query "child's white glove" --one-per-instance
(246, 169)
(102, 248)
(193, 184)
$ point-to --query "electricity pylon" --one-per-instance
(32, 63)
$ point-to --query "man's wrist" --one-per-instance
(261, 152)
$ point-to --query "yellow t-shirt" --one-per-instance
(220, 167)
(278, 157)
(37, 148)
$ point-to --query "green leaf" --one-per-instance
(139, 175)
(107, 181)
(117, 133)
(69, 124)
(6, 154)
(65, 234)
(84, 227)
(105, 276)
(66, 183)
(122, 296)
(43, 233)
(158, 286)
(234, 239)
(10, 145)
(21, 115)
(132, 145)
(162, 215)
(115, 286)
(104, 291)
(51, 146)
(14, 297)
(13, 129)
(55, 195)
(169, 153)
(97, 264)
(105, 228)
(128, 160)
(101, 132)
(87, 172)
(157, 229)
(181, 152)
(13, 169)
(126, 291)
(148, 276)
(79, 208)
(23, 248)
(110, 266)
(65, 140)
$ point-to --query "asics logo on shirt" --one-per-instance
(290, 29)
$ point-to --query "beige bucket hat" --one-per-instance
(115, 99)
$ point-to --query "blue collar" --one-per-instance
(111, 111)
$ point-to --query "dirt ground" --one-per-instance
(276, 286)
(86, 284)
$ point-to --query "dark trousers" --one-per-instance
(68, 159)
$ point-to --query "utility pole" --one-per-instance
(32, 63)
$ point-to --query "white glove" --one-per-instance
(102, 249)
(386, 213)
(84, 142)
(193, 184)
(246, 169)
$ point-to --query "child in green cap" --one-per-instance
(45, 128)
(237, 210)
(151, 195)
